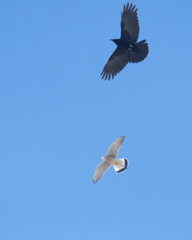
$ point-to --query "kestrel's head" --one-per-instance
(103, 157)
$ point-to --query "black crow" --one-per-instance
(127, 49)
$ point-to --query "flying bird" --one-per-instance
(127, 49)
(119, 165)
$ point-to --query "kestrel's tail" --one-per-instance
(120, 165)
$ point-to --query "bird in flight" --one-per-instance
(119, 165)
(127, 49)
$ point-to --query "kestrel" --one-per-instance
(119, 165)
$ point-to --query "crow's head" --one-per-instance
(116, 41)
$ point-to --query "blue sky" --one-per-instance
(57, 118)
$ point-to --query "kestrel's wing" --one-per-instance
(129, 23)
(116, 63)
(114, 148)
(100, 170)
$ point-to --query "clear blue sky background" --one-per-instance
(57, 118)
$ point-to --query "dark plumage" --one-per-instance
(127, 49)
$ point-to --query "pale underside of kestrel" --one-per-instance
(119, 165)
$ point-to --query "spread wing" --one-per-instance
(100, 170)
(114, 148)
(129, 23)
(116, 63)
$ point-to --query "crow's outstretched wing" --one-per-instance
(129, 23)
(121, 57)
(116, 63)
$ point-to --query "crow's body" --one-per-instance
(127, 49)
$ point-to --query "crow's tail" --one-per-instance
(139, 52)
